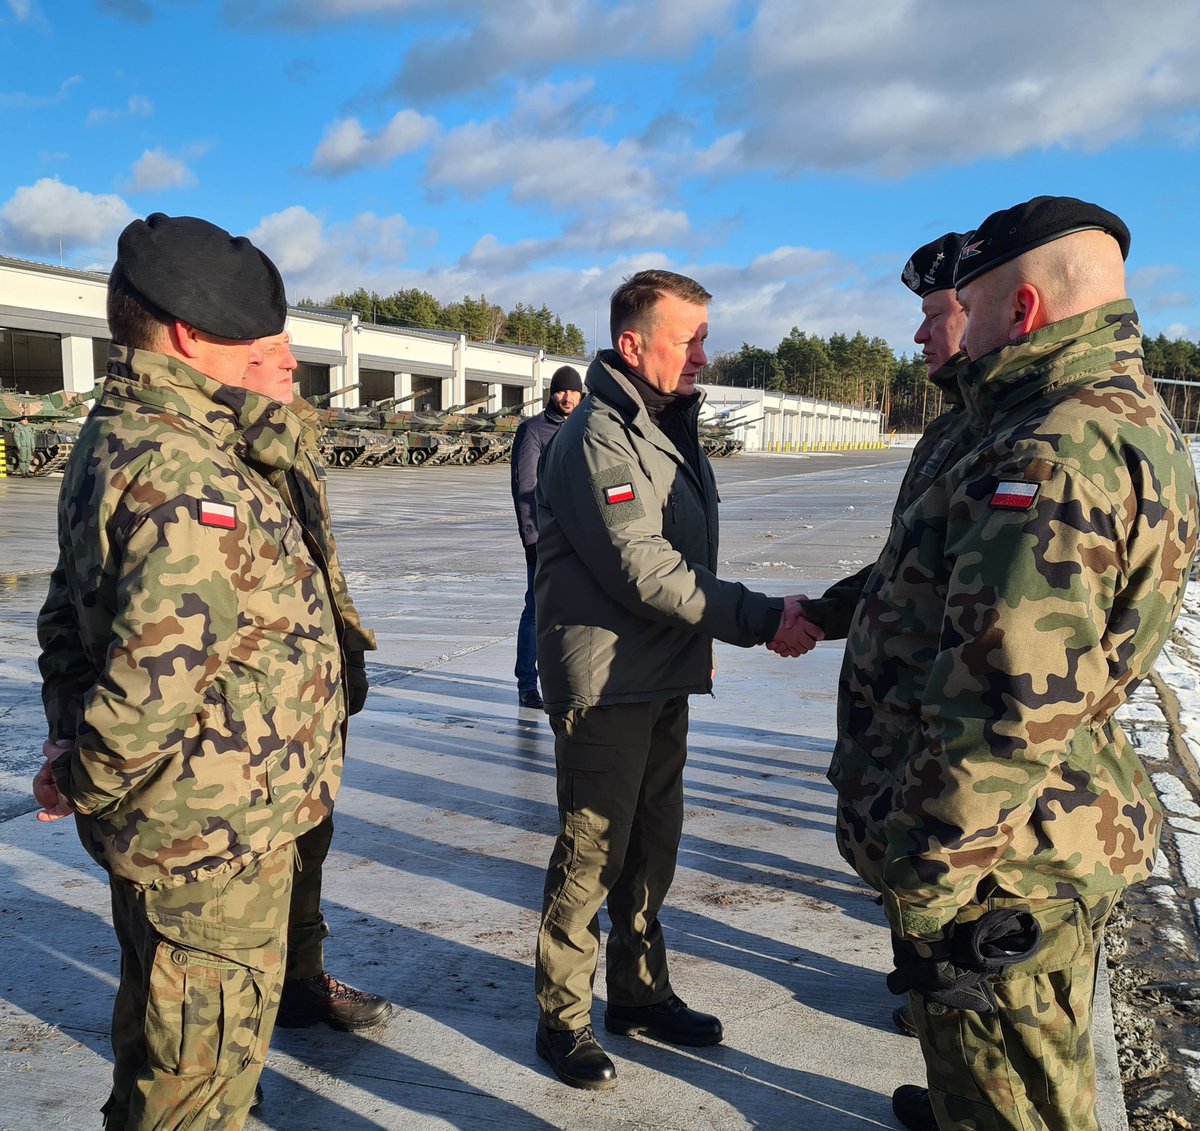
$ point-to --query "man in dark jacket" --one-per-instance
(628, 605)
(533, 437)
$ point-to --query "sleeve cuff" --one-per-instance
(911, 921)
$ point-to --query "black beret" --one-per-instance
(1013, 231)
(198, 273)
(565, 378)
(931, 268)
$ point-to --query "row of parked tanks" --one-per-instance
(381, 434)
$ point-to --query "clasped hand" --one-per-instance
(796, 633)
(45, 789)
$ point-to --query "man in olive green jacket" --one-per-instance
(628, 604)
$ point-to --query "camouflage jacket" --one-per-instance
(946, 439)
(1016, 604)
(304, 484)
(189, 642)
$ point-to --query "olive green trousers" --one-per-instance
(201, 972)
(1032, 1066)
(307, 929)
(620, 806)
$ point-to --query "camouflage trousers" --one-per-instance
(201, 971)
(307, 928)
(620, 804)
(1031, 1067)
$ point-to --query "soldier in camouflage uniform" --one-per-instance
(310, 994)
(929, 273)
(983, 781)
(23, 440)
(192, 678)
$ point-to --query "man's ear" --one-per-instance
(186, 339)
(629, 346)
(1028, 313)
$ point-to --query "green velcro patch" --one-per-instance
(617, 495)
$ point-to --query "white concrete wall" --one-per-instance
(784, 422)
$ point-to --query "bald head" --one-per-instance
(1057, 280)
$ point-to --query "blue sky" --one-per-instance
(789, 154)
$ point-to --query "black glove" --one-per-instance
(952, 972)
(356, 681)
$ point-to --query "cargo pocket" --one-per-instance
(1066, 938)
(203, 1013)
(1028, 1057)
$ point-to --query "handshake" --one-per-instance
(796, 633)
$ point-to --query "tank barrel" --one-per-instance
(323, 399)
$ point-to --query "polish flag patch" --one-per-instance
(622, 493)
(218, 514)
(1014, 496)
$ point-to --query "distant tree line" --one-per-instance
(858, 371)
(480, 320)
(865, 373)
(1170, 361)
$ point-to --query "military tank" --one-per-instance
(383, 434)
(350, 436)
(434, 436)
(719, 437)
(489, 435)
(54, 418)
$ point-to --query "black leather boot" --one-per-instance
(671, 1021)
(311, 1001)
(576, 1057)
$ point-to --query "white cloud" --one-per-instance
(909, 84)
(621, 231)
(566, 172)
(308, 13)
(138, 106)
(156, 170)
(317, 260)
(37, 217)
(347, 146)
(502, 39)
(136, 11)
(1159, 290)
(19, 100)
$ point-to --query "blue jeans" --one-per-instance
(526, 669)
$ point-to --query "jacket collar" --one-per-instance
(1062, 354)
(947, 378)
(258, 429)
(607, 378)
